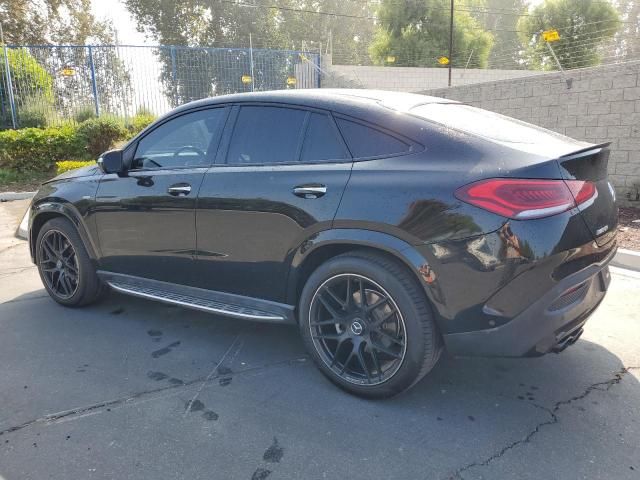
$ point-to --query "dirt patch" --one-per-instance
(629, 228)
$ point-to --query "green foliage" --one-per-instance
(84, 113)
(32, 86)
(66, 165)
(417, 34)
(43, 22)
(506, 51)
(37, 149)
(584, 25)
(139, 122)
(13, 181)
(36, 111)
(100, 134)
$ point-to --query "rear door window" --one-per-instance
(322, 141)
(266, 135)
(364, 141)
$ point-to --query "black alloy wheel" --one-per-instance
(367, 323)
(357, 329)
(67, 272)
(58, 263)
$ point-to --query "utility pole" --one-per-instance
(450, 41)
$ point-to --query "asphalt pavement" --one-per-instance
(131, 389)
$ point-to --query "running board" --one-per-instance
(210, 301)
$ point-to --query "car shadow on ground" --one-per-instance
(125, 350)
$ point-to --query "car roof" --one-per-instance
(337, 99)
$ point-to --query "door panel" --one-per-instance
(146, 218)
(145, 231)
(249, 222)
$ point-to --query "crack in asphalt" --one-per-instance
(83, 411)
(599, 386)
(14, 270)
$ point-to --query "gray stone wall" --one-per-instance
(602, 105)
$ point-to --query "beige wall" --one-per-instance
(602, 105)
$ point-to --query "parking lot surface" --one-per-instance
(132, 389)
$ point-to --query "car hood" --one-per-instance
(87, 171)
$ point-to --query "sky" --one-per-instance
(115, 11)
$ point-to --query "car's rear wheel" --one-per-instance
(368, 325)
(64, 265)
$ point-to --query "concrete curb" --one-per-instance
(10, 196)
(628, 259)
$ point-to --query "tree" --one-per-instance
(32, 88)
(189, 74)
(500, 17)
(416, 33)
(48, 22)
(584, 26)
(628, 37)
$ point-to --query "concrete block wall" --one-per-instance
(408, 79)
(602, 105)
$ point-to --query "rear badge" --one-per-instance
(600, 231)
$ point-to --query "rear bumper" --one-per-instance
(551, 323)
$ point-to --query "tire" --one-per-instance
(81, 285)
(357, 352)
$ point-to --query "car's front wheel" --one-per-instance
(368, 325)
(64, 265)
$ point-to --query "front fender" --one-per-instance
(72, 200)
(394, 246)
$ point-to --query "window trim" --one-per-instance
(133, 147)
(223, 149)
(414, 147)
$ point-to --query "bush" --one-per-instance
(84, 113)
(66, 165)
(29, 78)
(100, 134)
(37, 149)
(36, 111)
(139, 122)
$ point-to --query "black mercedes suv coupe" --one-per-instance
(386, 226)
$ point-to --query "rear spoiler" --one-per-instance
(586, 149)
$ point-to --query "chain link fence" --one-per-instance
(45, 85)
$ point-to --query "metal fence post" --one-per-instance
(174, 75)
(94, 84)
(251, 60)
(318, 69)
(12, 100)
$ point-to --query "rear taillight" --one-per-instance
(526, 198)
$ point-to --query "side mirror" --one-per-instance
(111, 162)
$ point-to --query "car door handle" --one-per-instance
(179, 190)
(310, 191)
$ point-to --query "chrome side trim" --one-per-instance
(221, 309)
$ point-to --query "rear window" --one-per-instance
(264, 135)
(365, 141)
(485, 124)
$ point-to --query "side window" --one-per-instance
(368, 142)
(266, 135)
(188, 140)
(321, 140)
